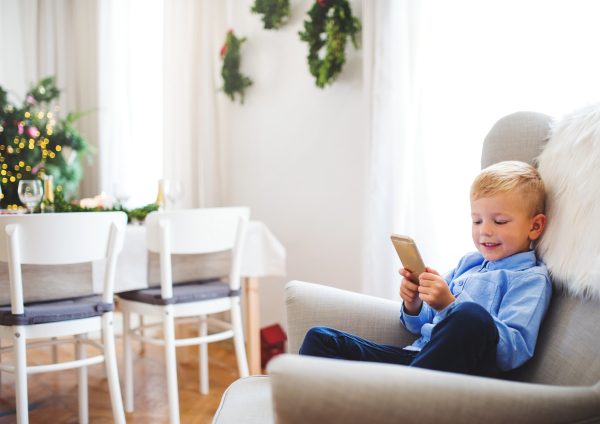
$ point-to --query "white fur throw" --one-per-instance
(570, 167)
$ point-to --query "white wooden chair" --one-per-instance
(58, 239)
(195, 231)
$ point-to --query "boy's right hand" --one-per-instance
(409, 292)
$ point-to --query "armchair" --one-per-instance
(560, 384)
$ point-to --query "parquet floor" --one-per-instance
(53, 396)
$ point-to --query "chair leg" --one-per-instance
(54, 350)
(128, 359)
(143, 332)
(110, 356)
(21, 375)
(238, 337)
(171, 362)
(82, 380)
(203, 359)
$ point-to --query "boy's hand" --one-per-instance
(434, 290)
(409, 292)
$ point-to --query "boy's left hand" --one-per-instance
(434, 290)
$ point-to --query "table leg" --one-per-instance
(253, 325)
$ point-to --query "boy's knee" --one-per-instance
(471, 314)
(314, 339)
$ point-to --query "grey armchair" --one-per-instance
(560, 384)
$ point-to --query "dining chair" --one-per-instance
(60, 239)
(194, 231)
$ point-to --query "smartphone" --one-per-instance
(409, 256)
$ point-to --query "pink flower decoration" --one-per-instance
(33, 132)
(36, 168)
(20, 127)
(323, 3)
(31, 100)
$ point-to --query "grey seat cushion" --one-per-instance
(247, 401)
(183, 293)
(55, 311)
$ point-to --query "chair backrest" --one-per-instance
(197, 231)
(567, 348)
(60, 239)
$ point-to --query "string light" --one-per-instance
(40, 115)
(58, 148)
(58, 188)
(27, 114)
(49, 116)
(56, 108)
(19, 176)
(4, 180)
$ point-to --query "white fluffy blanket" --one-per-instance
(570, 167)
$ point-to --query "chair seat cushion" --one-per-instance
(183, 293)
(246, 401)
(55, 311)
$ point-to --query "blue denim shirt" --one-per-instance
(515, 290)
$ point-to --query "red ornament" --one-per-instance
(323, 3)
(223, 49)
(271, 343)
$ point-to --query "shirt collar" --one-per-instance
(515, 262)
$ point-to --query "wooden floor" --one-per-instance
(53, 396)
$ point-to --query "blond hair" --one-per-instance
(505, 177)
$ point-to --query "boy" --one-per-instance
(483, 316)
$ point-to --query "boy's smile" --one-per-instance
(503, 225)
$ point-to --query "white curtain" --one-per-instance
(193, 35)
(438, 75)
(131, 99)
(41, 38)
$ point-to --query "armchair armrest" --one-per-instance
(308, 389)
(309, 305)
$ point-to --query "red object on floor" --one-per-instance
(271, 343)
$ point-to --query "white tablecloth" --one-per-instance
(263, 256)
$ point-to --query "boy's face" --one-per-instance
(503, 225)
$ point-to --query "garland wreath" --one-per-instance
(233, 80)
(275, 12)
(334, 19)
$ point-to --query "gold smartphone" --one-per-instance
(409, 256)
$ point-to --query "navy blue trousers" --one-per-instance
(463, 342)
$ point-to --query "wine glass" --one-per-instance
(173, 190)
(30, 193)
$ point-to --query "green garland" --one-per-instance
(61, 205)
(233, 80)
(334, 19)
(33, 142)
(275, 12)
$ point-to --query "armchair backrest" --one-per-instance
(60, 239)
(197, 231)
(569, 340)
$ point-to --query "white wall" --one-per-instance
(296, 155)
